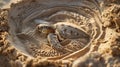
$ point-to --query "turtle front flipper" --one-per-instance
(55, 44)
(65, 42)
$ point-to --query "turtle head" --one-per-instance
(45, 28)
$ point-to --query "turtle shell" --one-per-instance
(70, 31)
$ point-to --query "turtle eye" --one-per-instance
(39, 28)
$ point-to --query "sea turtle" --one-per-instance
(61, 34)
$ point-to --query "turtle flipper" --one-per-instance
(54, 42)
